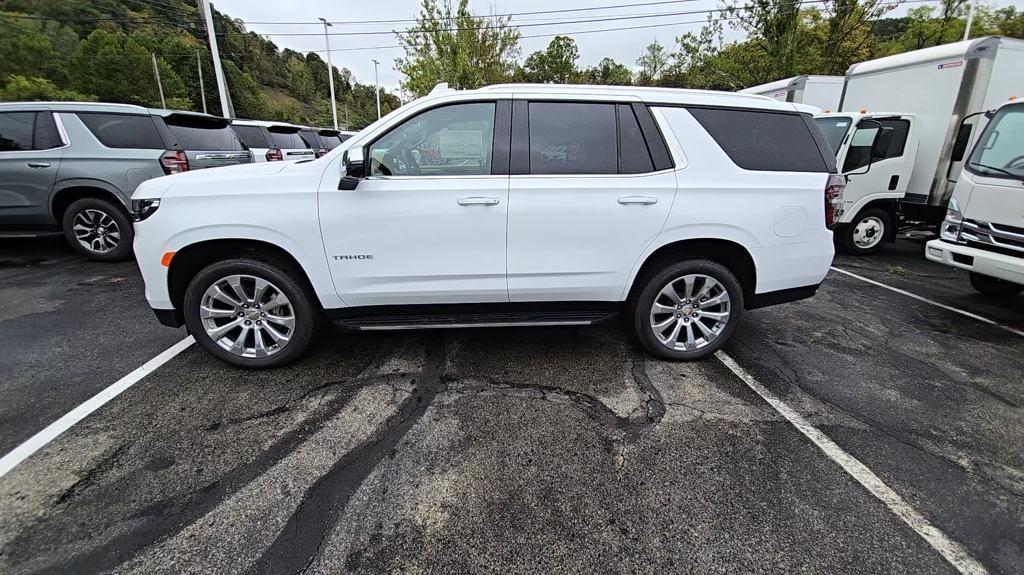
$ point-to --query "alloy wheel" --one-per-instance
(690, 312)
(96, 231)
(247, 316)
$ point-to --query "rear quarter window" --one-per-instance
(765, 141)
(124, 130)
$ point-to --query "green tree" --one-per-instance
(554, 65)
(652, 62)
(449, 44)
(116, 68)
(608, 72)
(26, 89)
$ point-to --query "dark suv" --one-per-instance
(72, 167)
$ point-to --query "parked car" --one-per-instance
(273, 141)
(983, 231)
(507, 205)
(72, 167)
(323, 140)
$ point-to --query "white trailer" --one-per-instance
(818, 91)
(947, 88)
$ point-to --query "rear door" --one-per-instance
(207, 142)
(591, 186)
(291, 144)
(30, 154)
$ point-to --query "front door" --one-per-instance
(427, 224)
(585, 205)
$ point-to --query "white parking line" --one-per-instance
(952, 551)
(39, 440)
(932, 302)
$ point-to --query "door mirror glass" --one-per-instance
(352, 169)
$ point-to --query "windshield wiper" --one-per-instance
(995, 169)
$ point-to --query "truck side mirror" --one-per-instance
(882, 142)
(860, 141)
(352, 169)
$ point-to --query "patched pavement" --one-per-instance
(528, 450)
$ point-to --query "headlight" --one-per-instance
(950, 230)
(142, 209)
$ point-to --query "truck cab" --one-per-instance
(983, 232)
(876, 154)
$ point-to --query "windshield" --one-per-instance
(834, 129)
(1000, 151)
(288, 140)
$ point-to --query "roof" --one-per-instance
(983, 47)
(79, 106)
(793, 82)
(670, 96)
(266, 124)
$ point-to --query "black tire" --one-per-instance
(995, 287)
(849, 237)
(641, 308)
(287, 280)
(88, 208)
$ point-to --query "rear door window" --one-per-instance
(252, 136)
(16, 131)
(124, 130)
(764, 140)
(287, 139)
(573, 138)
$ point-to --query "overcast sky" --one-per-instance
(623, 44)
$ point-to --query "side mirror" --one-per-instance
(352, 169)
(882, 142)
(866, 139)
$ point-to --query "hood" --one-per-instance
(157, 187)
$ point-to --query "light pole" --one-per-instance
(376, 84)
(330, 73)
(218, 72)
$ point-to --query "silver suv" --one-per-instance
(72, 167)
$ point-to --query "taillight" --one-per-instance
(274, 155)
(834, 199)
(174, 162)
(322, 152)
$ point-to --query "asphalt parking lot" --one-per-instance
(505, 451)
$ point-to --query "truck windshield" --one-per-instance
(1000, 151)
(834, 128)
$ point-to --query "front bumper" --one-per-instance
(983, 262)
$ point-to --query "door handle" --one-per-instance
(39, 164)
(478, 201)
(638, 200)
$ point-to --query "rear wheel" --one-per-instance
(867, 232)
(250, 312)
(98, 229)
(995, 287)
(688, 310)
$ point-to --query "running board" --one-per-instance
(472, 320)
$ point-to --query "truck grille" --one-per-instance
(993, 237)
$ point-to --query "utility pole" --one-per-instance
(202, 89)
(376, 84)
(222, 86)
(159, 86)
(970, 20)
(330, 72)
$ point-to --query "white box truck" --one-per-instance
(983, 231)
(903, 127)
(819, 91)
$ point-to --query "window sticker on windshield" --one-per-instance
(842, 124)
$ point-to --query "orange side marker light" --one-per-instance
(166, 259)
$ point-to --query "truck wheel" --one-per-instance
(867, 232)
(688, 310)
(98, 229)
(994, 287)
(250, 312)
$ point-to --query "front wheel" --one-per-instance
(867, 232)
(688, 310)
(995, 287)
(250, 312)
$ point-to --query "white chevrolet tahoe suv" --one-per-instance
(507, 205)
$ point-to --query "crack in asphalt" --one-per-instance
(300, 542)
(106, 463)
